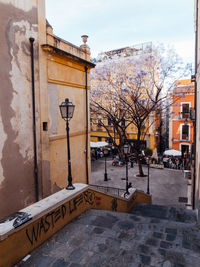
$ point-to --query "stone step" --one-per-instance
(176, 214)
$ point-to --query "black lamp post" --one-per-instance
(148, 192)
(126, 151)
(67, 111)
(105, 155)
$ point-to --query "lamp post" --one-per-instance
(105, 174)
(148, 192)
(67, 111)
(126, 150)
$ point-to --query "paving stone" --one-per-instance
(87, 258)
(98, 230)
(102, 247)
(170, 237)
(175, 257)
(110, 233)
(88, 229)
(104, 221)
(143, 249)
(125, 245)
(162, 251)
(60, 263)
(113, 244)
(135, 218)
(145, 259)
(166, 245)
(76, 255)
(76, 241)
(192, 261)
(155, 221)
(167, 264)
(99, 239)
(73, 264)
(61, 250)
(152, 242)
(186, 243)
(128, 255)
(179, 265)
(123, 235)
(158, 235)
(125, 225)
(156, 261)
(171, 231)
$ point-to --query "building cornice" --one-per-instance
(54, 50)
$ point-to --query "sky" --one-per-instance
(112, 24)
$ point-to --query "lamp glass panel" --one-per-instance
(126, 149)
(63, 110)
(70, 110)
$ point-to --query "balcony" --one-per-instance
(184, 115)
(185, 137)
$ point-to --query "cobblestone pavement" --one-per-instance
(166, 185)
(103, 238)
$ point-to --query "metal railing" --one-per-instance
(112, 190)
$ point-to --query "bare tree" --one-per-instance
(132, 89)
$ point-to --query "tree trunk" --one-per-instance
(141, 173)
(138, 148)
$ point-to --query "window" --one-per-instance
(185, 132)
(109, 122)
(185, 110)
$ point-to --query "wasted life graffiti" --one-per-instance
(45, 224)
(36, 231)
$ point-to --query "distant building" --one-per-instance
(181, 132)
(125, 51)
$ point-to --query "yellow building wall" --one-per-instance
(99, 132)
(67, 80)
(66, 66)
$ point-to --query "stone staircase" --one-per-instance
(165, 213)
(150, 235)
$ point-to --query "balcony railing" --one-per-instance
(185, 137)
(184, 115)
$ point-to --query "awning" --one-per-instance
(98, 144)
(172, 152)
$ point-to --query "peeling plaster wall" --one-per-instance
(53, 108)
(18, 24)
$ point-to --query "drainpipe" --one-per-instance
(34, 120)
(86, 143)
(195, 105)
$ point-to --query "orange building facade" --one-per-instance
(180, 123)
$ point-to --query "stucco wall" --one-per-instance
(56, 77)
(57, 126)
(18, 24)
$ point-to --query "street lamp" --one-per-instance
(148, 153)
(126, 151)
(148, 191)
(67, 111)
(105, 155)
